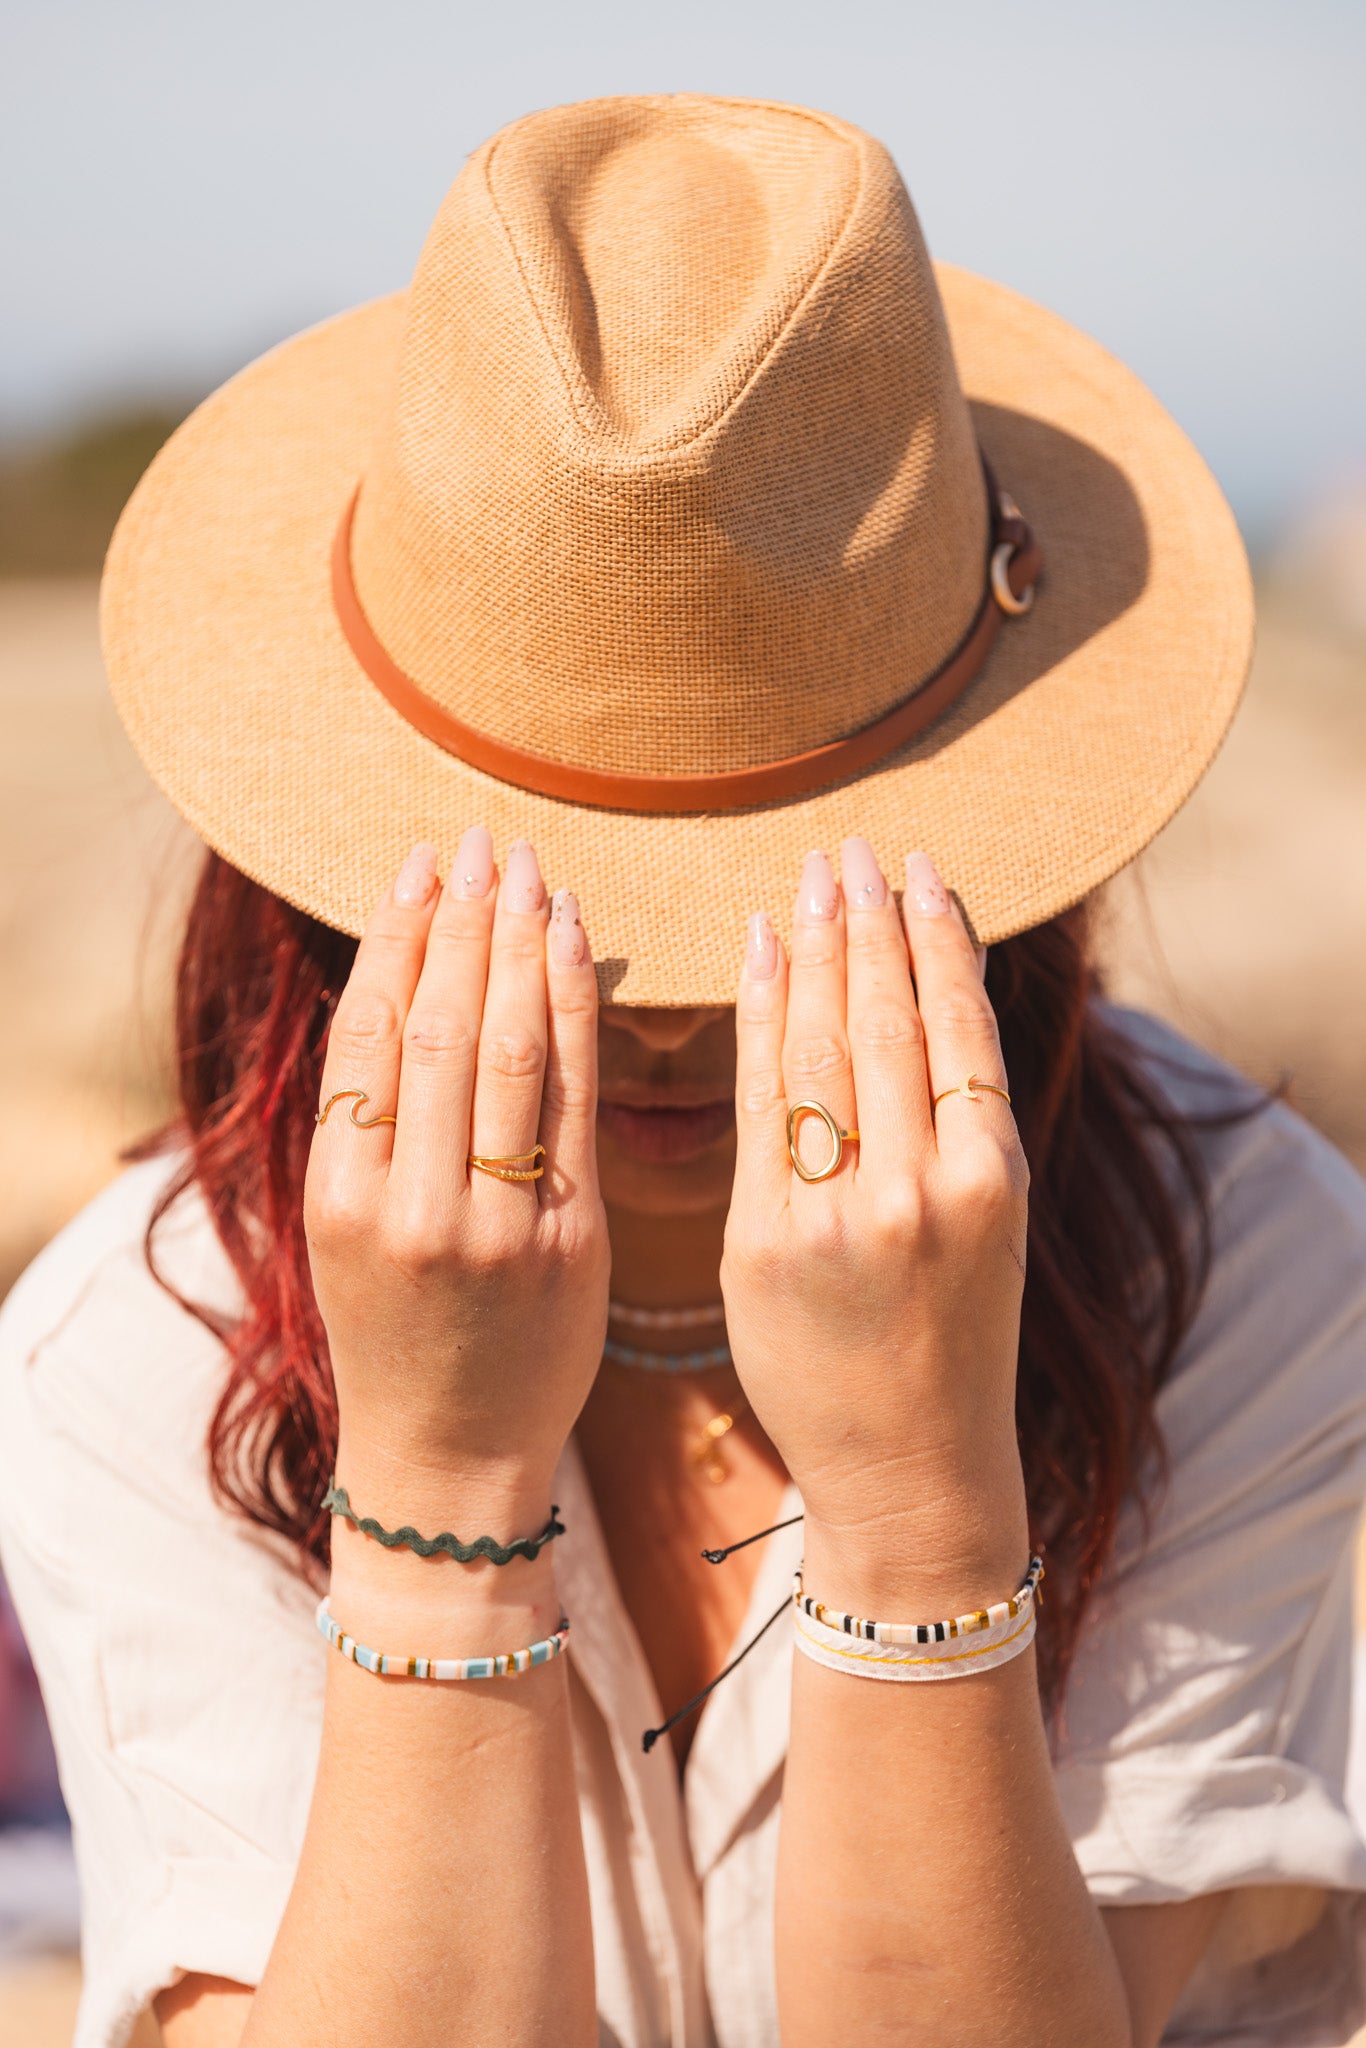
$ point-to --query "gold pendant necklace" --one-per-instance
(706, 1453)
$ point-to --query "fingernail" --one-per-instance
(523, 888)
(761, 948)
(818, 896)
(864, 887)
(416, 879)
(925, 893)
(568, 944)
(473, 869)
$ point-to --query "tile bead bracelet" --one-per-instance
(506, 1664)
(909, 1634)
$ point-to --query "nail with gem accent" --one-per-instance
(472, 873)
(860, 876)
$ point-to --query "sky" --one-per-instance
(186, 182)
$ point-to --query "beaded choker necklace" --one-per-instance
(666, 1361)
(703, 1316)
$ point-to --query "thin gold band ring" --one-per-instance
(512, 1166)
(355, 1096)
(838, 1140)
(973, 1089)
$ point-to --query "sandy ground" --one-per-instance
(1244, 924)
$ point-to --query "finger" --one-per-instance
(886, 1040)
(363, 1045)
(510, 1069)
(961, 1038)
(441, 1038)
(763, 1174)
(816, 1063)
(569, 1099)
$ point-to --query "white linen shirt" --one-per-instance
(1205, 1736)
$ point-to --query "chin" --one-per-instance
(673, 1187)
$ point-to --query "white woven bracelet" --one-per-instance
(911, 1653)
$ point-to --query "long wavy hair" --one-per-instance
(1118, 1227)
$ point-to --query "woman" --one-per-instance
(653, 530)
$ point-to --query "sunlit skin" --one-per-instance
(875, 1321)
(666, 1162)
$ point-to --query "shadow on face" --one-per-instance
(666, 1108)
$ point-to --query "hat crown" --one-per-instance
(677, 475)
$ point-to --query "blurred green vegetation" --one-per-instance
(60, 496)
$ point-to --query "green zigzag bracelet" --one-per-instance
(337, 1502)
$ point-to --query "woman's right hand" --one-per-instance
(465, 1314)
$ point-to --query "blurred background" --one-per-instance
(186, 186)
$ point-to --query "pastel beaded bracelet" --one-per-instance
(909, 1634)
(505, 1665)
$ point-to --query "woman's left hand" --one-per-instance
(874, 1316)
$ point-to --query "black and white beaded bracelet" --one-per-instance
(904, 1634)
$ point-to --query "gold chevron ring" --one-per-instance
(513, 1166)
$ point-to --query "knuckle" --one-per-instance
(986, 1183)
(417, 1241)
(961, 1009)
(762, 1093)
(575, 996)
(512, 1054)
(900, 1211)
(888, 1028)
(366, 1017)
(438, 1037)
(569, 1094)
(816, 1057)
(820, 1230)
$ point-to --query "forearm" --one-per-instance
(927, 1890)
(441, 1895)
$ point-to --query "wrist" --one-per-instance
(940, 1549)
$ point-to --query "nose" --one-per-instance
(660, 1030)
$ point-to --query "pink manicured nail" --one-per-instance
(523, 888)
(473, 869)
(818, 896)
(925, 893)
(864, 887)
(761, 948)
(568, 944)
(416, 879)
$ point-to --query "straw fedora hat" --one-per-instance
(680, 517)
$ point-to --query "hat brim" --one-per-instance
(1092, 721)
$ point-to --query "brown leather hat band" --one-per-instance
(726, 789)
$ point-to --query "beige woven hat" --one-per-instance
(666, 521)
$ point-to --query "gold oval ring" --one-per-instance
(1005, 597)
(838, 1140)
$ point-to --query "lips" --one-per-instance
(662, 1134)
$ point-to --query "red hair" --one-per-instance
(1114, 1267)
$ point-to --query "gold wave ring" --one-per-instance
(355, 1096)
(513, 1166)
(973, 1089)
(838, 1140)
